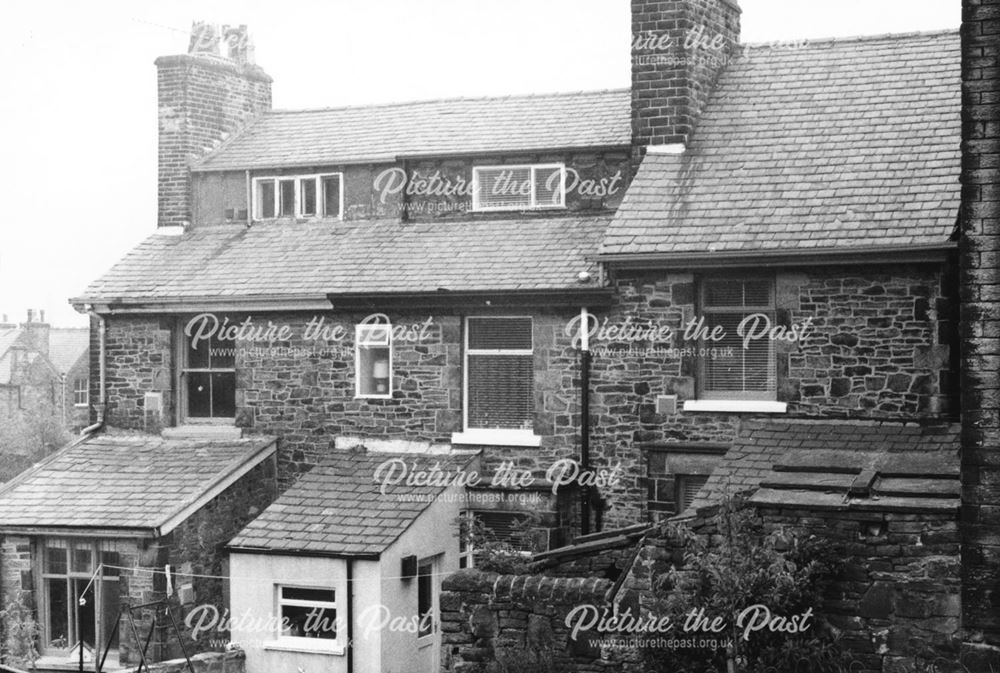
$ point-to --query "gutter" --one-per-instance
(101, 366)
(350, 616)
(875, 254)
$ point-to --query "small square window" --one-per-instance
(308, 612)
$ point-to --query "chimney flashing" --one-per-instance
(669, 148)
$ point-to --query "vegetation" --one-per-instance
(21, 634)
(739, 567)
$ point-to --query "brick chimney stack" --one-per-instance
(679, 47)
(204, 97)
(37, 331)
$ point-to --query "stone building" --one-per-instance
(601, 292)
(44, 388)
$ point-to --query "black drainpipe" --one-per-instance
(584, 419)
(350, 616)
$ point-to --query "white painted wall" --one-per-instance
(433, 533)
(253, 602)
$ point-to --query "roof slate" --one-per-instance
(439, 127)
(129, 481)
(815, 458)
(337, 508)
(847, 143)
(274, 260)
(66, 345)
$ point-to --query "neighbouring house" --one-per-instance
(44, 374)
(600, 292)
(340, 559)
(99, 525)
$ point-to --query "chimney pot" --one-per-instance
(31, 315)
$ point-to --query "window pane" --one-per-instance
(199, 394)
(222, 354)
(55, 558)
(112, 562)
(224, 395)
(82, 558)
(265, 199)
(57, 603)
(757, 293)
(425, 599)
(198, 354)
(286, 198)
(307, 196)
(688, 486)
(87, 627)
(548, 187)
(732, 368)
(501, 391)
(308, 622)
(504, 187)
(331, 196)
(373, 370)
(499, 333)
(110, 608)
(723, 293)
(298, 594)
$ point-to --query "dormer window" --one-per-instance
(521, 187)
(302, 196)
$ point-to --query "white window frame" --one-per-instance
(299, 179)
(768, 397)
(360, 341)
(488, 436)
(184, 380)
(81, 396)
(533, 205)
(300, 643)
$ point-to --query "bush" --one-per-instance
(737, 568)
(21, 633)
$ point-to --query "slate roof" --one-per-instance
(449, 126)
(846, 142)
(66, 345)
(337, 509)
(134, 482)
(275, 260)
(839, 464)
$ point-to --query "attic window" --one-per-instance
(301, 196)
(523, 187)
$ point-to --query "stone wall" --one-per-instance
(516, 623)
(980, 224)
(895, 602)
(139, 360)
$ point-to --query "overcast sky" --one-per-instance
(78, 111)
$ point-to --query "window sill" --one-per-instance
(304, 645)
(492, 437)
(374, 397)
(737, 406)
(81, 406)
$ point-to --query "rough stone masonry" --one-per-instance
(980, 222)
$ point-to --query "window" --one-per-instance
(731, 371)
(307, 612)
(686, 488)
(73, 570)
(512, 528)
(499, 373)
(298, 196)
(373, 360)
(81, 392)
(427, 598)
(526, 187)
(208, 379)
